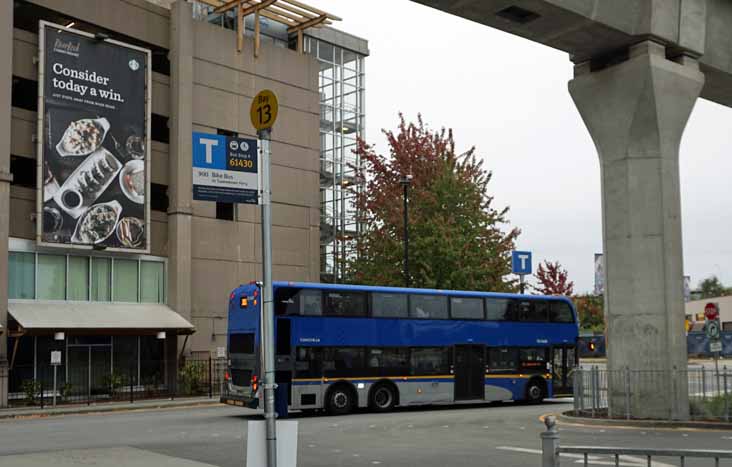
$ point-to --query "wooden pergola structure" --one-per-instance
(297, 16)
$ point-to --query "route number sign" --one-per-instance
(263, 111)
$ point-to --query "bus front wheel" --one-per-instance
(383, 397)
(535, 391)
(341, 400)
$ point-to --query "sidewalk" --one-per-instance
(47, 411)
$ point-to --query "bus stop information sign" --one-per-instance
(225, 169)
(521, 265)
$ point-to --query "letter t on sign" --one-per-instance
(209, 143)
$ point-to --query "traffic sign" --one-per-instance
(715, 346)
(521, 262)
(711, 311)
(713, 329)
(55, 357)
(263, 111)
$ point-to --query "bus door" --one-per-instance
(563, 362)
(469, 372)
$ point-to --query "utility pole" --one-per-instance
(405, 182)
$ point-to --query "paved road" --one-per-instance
(503, 435)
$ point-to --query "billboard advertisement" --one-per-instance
(225, 169)
(94, 142)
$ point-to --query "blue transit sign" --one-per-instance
(521, 262)
(225, 169)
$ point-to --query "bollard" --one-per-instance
(550, 443)
(627, 393)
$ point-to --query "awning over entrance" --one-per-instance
(95, 317)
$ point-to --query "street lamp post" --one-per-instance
(405, 182)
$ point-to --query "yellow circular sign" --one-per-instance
(263, 111)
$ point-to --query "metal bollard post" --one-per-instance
(627, 393)
(550, 443)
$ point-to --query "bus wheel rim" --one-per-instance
(382, 398)
(534, 391)
(340, 400)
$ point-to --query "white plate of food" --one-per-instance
(97, 223)
(83, 137)
(132, 181)
(87, 182)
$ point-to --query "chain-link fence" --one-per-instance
(98, 382)
(710, 391)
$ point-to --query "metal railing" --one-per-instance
(710, 391)
(98, 383)
(552, 451)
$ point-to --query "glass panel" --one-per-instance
(152, 281)
(428, 306)
(309, 362)
(101, 290)
(430, 361)
(78, 278)
(345, 303)
(152, 363)
(390, 361)
(536, 311)
(21, 275)
(241, 343)
(125, 358)
(389, 305)
(51, 277)
(466, 308)
(343, 362)
(502, 359)
(125, 280)
(497, 309)
(325, 51)
(560, 312)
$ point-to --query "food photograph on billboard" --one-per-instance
(94, 142)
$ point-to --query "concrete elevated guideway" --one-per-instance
(640, 66)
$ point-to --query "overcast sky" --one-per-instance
(508, 97)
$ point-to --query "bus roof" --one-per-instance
(371, 288)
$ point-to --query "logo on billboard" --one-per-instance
(93, 142)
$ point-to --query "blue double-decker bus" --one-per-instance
(342, 347)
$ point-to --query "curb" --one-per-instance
(102, 409)
(565, 417)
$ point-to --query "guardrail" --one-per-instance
(710, 391)
(552, 451)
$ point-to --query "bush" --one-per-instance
(31, 388)
(193, 379)
(713, 408)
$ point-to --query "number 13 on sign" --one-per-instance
(263, 112)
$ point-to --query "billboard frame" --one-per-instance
(42, 25)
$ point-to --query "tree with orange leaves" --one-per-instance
(457, 239)
(553, 279)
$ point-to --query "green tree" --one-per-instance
(457, 240)
(712, 287)
(590, 309)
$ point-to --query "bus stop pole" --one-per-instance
(267, 311)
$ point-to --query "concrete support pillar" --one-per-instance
(6, 83)
(180, 188)
(636, 113)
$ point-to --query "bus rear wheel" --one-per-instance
(340, 400)
(535, 392)
(383, 398)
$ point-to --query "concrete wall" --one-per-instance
(210, 88)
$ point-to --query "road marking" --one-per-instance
(595, 460)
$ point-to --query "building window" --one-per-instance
(159, 129)
(125, 280)
(159, 200)
(152, 280)
(78, 283)
(21, 275)
(24, 94)
(225, 211)
(101, 286)
(51, 281)
(24, 171)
